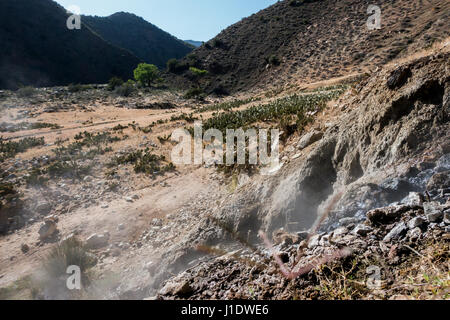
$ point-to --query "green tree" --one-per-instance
(146, 74)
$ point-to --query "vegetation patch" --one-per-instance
(23, 126)
(145, 162)
(9, 149)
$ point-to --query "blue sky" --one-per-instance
(186, 19)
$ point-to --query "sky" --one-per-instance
(199, 20)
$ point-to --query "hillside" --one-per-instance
(144, 40)
(294, 42)
(38, 49)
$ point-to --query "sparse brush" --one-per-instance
(70, 252)
(26, 92)
(11, 148)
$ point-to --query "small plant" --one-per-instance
(274, 60)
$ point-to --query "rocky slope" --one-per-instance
(374, 190)
(308, 41)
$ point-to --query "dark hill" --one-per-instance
(312, 40)
(38, 49)
(140, 37)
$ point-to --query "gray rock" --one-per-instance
(47, 229)
(447, 218)
(415, 233)
(397, 232)
(309, 139)
(362, 230)
(413, 199)
(314, 241)
(97, 241)
(348, 221)
(416, 223)
(340, 232)
(433, 211)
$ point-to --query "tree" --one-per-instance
(146, 74)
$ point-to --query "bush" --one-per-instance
(198, 72)
(126, 89)
(26, 92)
(114, 83)
(274, 60)
(78, 87)
(69, 252)
(194, 93)
(145, 74)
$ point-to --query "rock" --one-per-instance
(413, 199)
(397, 232)
(388, 215)
(47, 229)
(181, 289)
(447, 218)
(121, 227)
(362, 230)
(309, 139)
(398, 77)
(339, 232)
(433, 211)
(129, 199)
(439, 180)
(302, 235)
(135, 197)
(348, 221)
(43, 207)
(314, 241)
(415, 233)
(87, 179)
(416, 222)
(97, 241)
(25, 248)
(157, 222)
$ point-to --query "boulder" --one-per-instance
(388, 215)
(309, 138)
(97, 241)
(433, 211)
(397, 232)
(48, 228)
(439, 181)
(398, 77)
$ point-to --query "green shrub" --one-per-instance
(70, 252)
(198, 72)
(73, 88)
(274, 60)
(11, 148)
(145, 74)
(126, 89)
(114, 83)
(194, 93)
(26, 92)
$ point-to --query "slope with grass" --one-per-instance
(308, 41)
